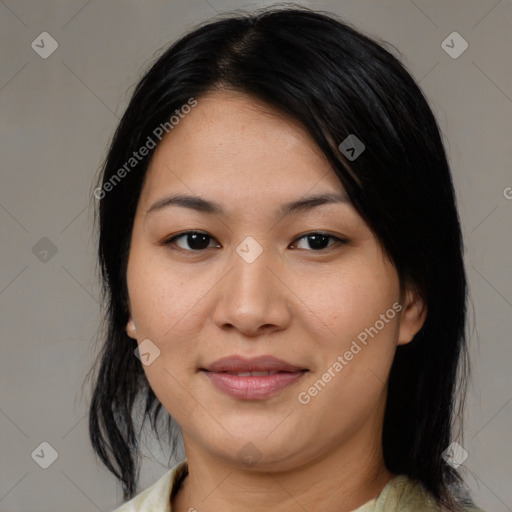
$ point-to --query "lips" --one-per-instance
(256, 366)
(252, 378)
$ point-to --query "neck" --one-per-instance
(340, 481)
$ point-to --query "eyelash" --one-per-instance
(337, 241)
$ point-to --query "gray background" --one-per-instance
(57, 117)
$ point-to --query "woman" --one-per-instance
(282, 260)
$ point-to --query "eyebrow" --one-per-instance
(210, 207)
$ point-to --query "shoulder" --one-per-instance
(405, 494)
(465, 507)
(157, 496)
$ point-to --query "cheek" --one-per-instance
(168, 306)
(348, 300)
(160, 297)
(164, 307)
(355, 330)
(349, 382)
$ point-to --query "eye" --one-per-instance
(196, 240)
(319, 241)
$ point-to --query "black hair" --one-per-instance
(336, 82)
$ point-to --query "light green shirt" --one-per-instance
(401, 494)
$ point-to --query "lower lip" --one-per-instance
(252, 387)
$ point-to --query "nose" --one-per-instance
(253, 297)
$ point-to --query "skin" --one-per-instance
(296, 302)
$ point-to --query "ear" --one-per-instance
(413, 317)
(130, 329)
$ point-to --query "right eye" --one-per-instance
(196, 241)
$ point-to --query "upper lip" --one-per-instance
(236, 363)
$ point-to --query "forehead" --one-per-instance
(231, 141)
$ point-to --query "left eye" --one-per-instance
(319, 241)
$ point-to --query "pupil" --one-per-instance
(317, 241)
(198, 241)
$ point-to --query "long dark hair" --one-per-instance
(336, 82)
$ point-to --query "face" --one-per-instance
(307, 284)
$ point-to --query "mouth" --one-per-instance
(260, 366)
(252, 379)
(262, 373)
